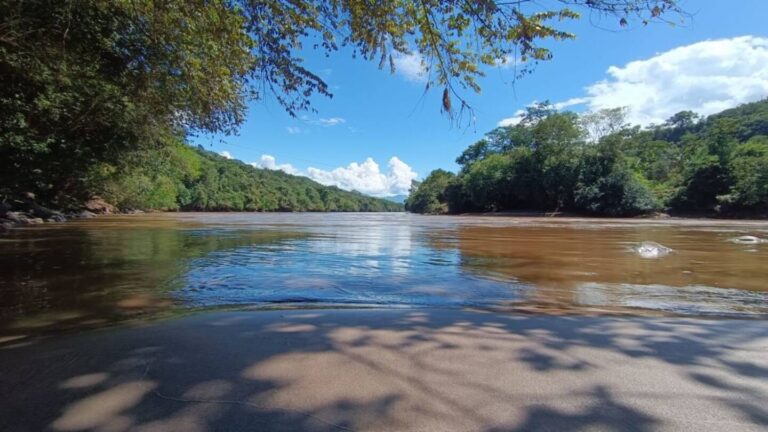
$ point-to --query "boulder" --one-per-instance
(98, 205)
(16, 217)
(85, 214)
(4, 208)
(28, 207)
(41, 211)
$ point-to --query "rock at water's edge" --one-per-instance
(85, 214)
(98, 205)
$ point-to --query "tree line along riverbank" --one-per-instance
(598, 164)
(178, 177)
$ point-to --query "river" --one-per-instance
(95, 272)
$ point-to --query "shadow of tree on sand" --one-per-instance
(390, 370)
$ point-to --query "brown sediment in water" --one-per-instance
(89, 273)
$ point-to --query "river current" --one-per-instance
(91, 272)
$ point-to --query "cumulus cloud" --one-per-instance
(705, 77)
(293, 130)
(269, 162)
(571, 102)
(367, 177)
(516, 118)
(410, 66)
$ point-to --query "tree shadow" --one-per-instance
(319, 370)
(604, 413)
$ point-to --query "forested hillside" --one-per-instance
(179, 177)
(595, 163)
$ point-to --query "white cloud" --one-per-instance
(329, 122)
(367, 177)
(705, 77)
(507, 62)
(293, 130)
(268, 162)
(410, 66)
(226, 154)
(516, 118)
(571, 102)
(326, 122)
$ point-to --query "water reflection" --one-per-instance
(80, 274)
(386, 263)
(98, 271)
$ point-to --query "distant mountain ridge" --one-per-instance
(400, 199)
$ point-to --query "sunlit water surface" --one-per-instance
(101, 270)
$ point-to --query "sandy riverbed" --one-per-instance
(390, 370)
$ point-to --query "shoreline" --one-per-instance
(384, 369)
(745, 216)
(25, 330)
(13, 218)
(14, 213)
(26, 211)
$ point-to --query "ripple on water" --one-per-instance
(688, 300)
(114, 267)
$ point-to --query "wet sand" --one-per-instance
(391, 370)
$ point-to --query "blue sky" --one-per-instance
(381, 116)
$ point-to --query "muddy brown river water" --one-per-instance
(98, 271)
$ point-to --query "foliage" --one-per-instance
(596, 163)
(87, 82)
(607, 186)
(605, 122)
(430, 195)
(749, 168)
(484, 181)
(176, 176)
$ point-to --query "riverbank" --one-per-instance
(32, 214)
(729, 215)
(29, 212)
(393, 370)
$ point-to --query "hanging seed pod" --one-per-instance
(446, 101)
